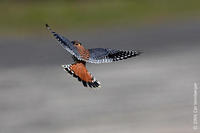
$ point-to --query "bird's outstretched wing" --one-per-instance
(102, 55)
(65, 43)
(78, 70)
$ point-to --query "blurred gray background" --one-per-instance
(152, 93)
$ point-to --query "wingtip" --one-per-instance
(139, 52)
(47, 25)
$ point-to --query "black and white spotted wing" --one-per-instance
(65, 43)
(102, 55)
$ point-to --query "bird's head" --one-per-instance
(76, 43)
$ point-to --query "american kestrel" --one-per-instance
(81, 56)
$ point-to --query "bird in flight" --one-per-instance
(81, 56)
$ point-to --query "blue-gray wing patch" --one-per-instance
(101, 55)
(65, 43)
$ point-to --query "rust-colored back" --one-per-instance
(83, 52)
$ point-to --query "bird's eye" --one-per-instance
(77, 44)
